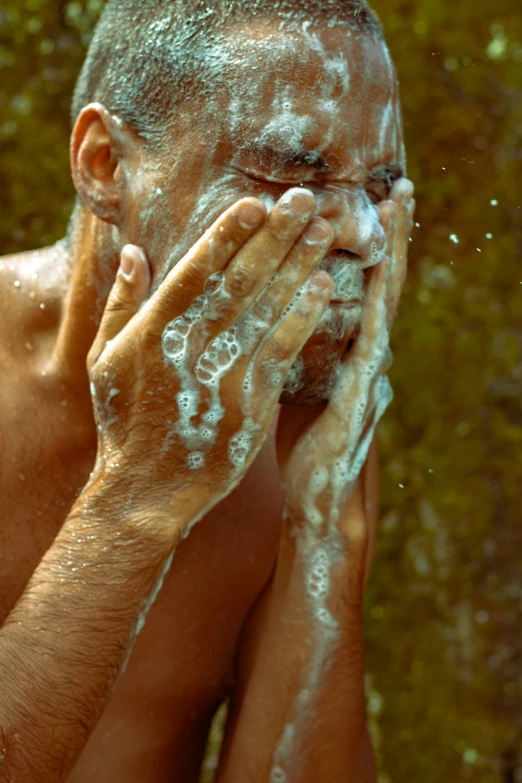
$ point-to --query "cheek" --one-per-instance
(173, 225)
(215, 197)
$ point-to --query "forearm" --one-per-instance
(299, 712)
(65, 643)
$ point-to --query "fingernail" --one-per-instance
(299, 200)
(127, 262)
(405, 188)
(249, 216)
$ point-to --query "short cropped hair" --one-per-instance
(147, 56)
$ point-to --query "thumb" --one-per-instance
(127, 294)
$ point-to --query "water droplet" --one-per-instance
(454, 238)
(470, 756)
(16, 284)
(494, 202)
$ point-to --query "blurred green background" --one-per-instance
(444, 607)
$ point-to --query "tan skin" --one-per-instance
(94, 545)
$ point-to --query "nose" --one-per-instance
(359, 235)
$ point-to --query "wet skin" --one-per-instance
(209, 161)
(162, 201)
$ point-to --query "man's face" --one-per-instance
(316, 106)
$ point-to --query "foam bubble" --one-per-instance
(196, 460)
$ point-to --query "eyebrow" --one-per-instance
(286, 158)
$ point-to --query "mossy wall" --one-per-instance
(444, 606)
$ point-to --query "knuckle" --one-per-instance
(279, 347)
(240, 280)
(149, 340)
(283, 230)
(116, 303)
(262, 311)
(194, 275)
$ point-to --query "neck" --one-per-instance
(93, 258)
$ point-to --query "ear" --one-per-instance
(96, 150)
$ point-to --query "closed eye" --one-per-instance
(381, 181)
(378, 191)
(268, 180)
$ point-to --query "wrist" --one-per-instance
(119, 502)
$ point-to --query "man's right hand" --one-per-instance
(185, 387)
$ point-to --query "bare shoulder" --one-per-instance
(29, 313)
(18, 300)
(9, 266)
(29, 293)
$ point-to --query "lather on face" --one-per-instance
(311, 106)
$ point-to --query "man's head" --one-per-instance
(210, 102)
(149, 56)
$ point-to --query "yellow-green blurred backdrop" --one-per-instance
(444, 631)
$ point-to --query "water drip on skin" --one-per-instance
(286, 127)
(318, 561)
(108, 415)
(144, 611)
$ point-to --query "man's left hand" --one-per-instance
(322, 448)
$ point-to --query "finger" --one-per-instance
(350, 396)
(389, 214)
(278, 351)
(252, 268)
(304, 257)
(374, 319)
(127, 294)
(229, 295)
(402, 195)
(186, 281)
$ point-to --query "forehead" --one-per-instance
(265, 51)
(307, 86)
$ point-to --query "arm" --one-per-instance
(299, 714)
(300, 693)
(65, 643)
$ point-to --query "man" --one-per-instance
(226, 156)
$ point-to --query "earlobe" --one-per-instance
(95, 156)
